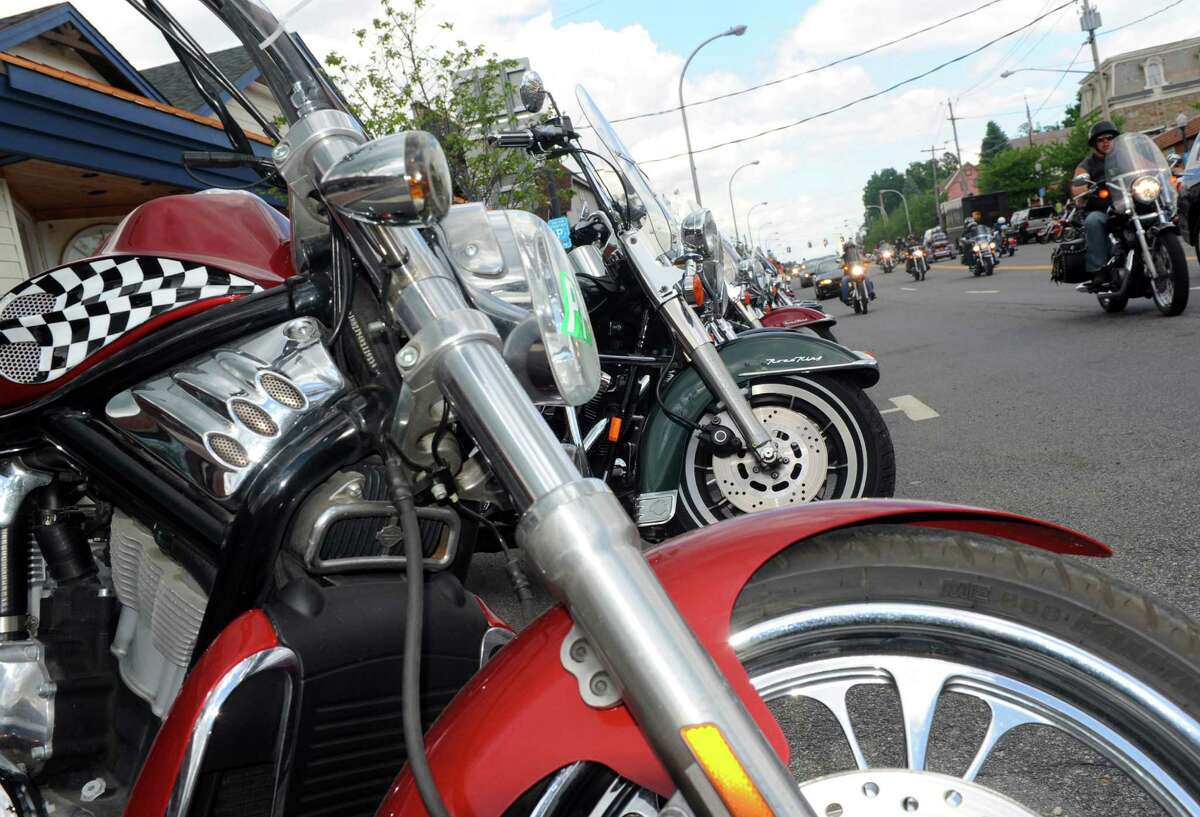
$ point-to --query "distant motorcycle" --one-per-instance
(1063, 228)
(1142, 231)
(887, 261)
(857, 295)
(917, 264)
(983, 253)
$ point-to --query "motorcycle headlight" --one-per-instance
(887, 255)
(514, 256)
(701, 236)
(1146, 189)
(975, 247)
(857, 271)
(991, 245)
(918, 253)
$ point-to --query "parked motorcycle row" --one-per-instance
(245, 462)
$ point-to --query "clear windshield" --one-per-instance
(1134, 154)
(658, 223)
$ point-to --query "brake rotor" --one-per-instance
(881, 792)
(796, 478)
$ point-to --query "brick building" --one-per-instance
(1150, 87)
(964, 182)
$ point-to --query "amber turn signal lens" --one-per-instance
(614, 429)
(726, 773)
(698, 290)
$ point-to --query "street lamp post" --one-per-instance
(1099, 77)
(749, 231)
(732, 209)
(903, 199)
(736, 31)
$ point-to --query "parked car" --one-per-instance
(937, 244)
(1026, 223)
(828, 278)
(1189, 197)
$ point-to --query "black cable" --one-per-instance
(343, 280)
(1167, 7)
(512, 563)
(808, 71)
(683, 421)
(414, 733)
(868, 97)
(627, 215)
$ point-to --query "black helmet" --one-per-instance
(1102, 128)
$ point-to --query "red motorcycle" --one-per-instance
(238, 454)
(1064, 228)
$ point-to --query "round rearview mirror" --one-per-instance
(533, 91)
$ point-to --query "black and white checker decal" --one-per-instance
(51, 323)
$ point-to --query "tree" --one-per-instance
(1071, 114)
(1015, 171)
(920, 208)
(887, 179)
(947, 165)
(459, 94)
(994, 141)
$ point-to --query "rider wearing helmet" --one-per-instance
(1095, 225)
(966, 241)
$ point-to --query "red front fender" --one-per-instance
(521, 718)
(793, 317)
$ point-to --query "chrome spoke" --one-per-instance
(1006, 716)
(919, 684)
(831, 693)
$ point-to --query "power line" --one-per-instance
(990, 76)
(808, 71)
(1140, 19)
(868, 97)
(1061, 77)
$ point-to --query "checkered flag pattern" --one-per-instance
(51, 323)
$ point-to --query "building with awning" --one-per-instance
(85, 137)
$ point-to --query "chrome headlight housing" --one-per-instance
(515, 257)
(1146, 189)
(918, 253)
(701, 236)
(856, 271)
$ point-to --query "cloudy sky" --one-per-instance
(629, 53)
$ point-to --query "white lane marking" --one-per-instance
(909, 289)
(983, 292)
(913, 408)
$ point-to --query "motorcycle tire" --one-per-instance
(989, 267)
(1172, 298)
(858, 454)
(1088, 684)
(857, 306)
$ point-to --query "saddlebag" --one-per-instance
(1068, 264)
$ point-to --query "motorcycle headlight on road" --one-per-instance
(991, 245)
(917, 253)
(1146, 189)
(887, 255)
(856, 271)
(514, 257)
(975, 247)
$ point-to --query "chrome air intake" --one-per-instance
(219, 416)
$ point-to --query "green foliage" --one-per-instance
(920, 208)
(994, 142)
(1015, 171)
(1071, 114)
(397, 82)
(1060, 160)
(887, 179)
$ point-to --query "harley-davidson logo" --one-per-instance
(791, 361)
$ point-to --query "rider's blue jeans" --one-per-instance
(1095, 230)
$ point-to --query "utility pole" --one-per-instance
(1029, 121)
(954, 126)
(1089, 21)
(937, 209)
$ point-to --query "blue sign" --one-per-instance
(1042, 193)
(562, 229)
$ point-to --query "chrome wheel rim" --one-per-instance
(802, 467)
(918, 683)
(843, 441)
(881, 792)
(1163, 284)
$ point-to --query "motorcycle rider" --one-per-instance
(850, 257)
(1095, 224)
(966, 244)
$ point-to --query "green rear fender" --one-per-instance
(751, 356)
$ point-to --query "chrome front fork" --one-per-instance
(1147, 256)
(690, 333)
(577, 535)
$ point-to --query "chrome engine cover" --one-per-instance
(222, 414)
(161, 611)
(26, 704)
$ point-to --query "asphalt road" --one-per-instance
(1011, 392)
